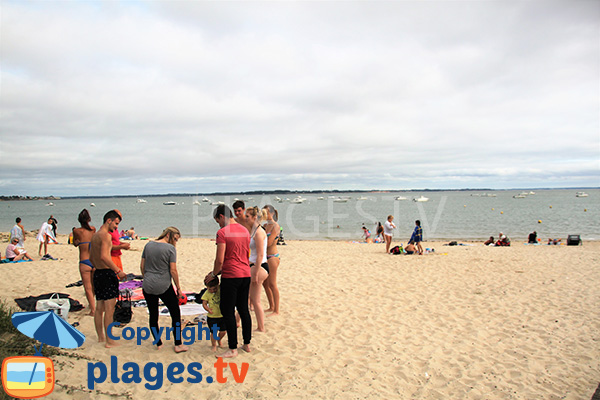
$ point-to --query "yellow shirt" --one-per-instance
(214, 301)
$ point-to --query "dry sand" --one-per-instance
(468, 322)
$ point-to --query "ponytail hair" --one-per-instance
(84, 219)
(170, 233)
(272, 211)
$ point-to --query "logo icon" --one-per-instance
(28, 377)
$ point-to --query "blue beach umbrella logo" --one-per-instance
(32, 377)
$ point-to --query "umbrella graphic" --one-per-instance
(48, 328)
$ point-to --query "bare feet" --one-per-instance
(273, 313)
(101, 339)
(260, 330)
(181, 348)
(91, 313)
(214, 348)
(228, 354)
(246, 348)
(269, 309)
(111, 343)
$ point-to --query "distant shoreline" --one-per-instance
(278, 191)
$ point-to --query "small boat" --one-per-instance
(169, 203)
(361, 198)
(205, 200)
(400, 198)
(340, 200)
(581, 194)
(519, 196)
(298, 200)
(421, 199)
(320, 198)
(50, 204)
(531, 193)
(277, 198)
(217, 203)
(141, 201)
(196, 203)
(92, 205)
(488, 195)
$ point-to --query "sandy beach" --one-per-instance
(466, 322)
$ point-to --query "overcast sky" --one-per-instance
(135, 97)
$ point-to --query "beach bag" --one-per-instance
(55, 304)
(574, 240)
(123, 310)
(396, 250)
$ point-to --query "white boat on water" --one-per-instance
(400, 198)
(196, 203)
(421, 199)
(581, 194)
(169, 203)
(141, 201)
(340, 200)
(205, 200)
(519, 196)
(531, 193)
(217, 203)
(298, 200)
(361, 198)
(320, 198)
(92, 205)
(50, 204)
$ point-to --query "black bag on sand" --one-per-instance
(395, 250)
(123, 311)
(574, 240)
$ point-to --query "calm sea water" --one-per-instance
(459, 215)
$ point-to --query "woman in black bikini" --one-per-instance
(81, 238)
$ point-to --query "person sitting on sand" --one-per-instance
(490, 241)
(211, 301)
(504, 241)
(13, 253)
(410, 249)
(131, 233)
(532, 237)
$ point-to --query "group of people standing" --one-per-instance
(414, 244)
(246, 260)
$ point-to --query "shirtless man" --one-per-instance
(239, 209)
(106, 276)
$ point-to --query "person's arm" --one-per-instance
(142, 266)
(76, 239)
(219, 259)
(206, 307)
(175, 277)
(105, 246)
(121, 246)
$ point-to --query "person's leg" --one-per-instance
(40, 249)
(269, 293)
(19, 257)
(255, 299)
(272, 283)
(86, 276)
(388, 242)
(98, 315)
(109, 311)
(152, 303)
(242, 308)
(46, 244)
(228, 299)
(170, 300)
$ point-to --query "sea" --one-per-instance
(445, 216)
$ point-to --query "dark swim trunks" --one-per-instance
(106, 284)
(220, 322)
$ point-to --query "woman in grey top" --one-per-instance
(159, 267)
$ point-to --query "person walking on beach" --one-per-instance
(259, 266)
(417, 237)
(82, 239)
(117, 245)
(388, 228)
(159, 268)
(106, 276)
(231, 260)
(19, 232)
(272, 229)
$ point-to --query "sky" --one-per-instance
(136, 97)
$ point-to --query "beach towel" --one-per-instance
(28, 303)
(186, 309)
